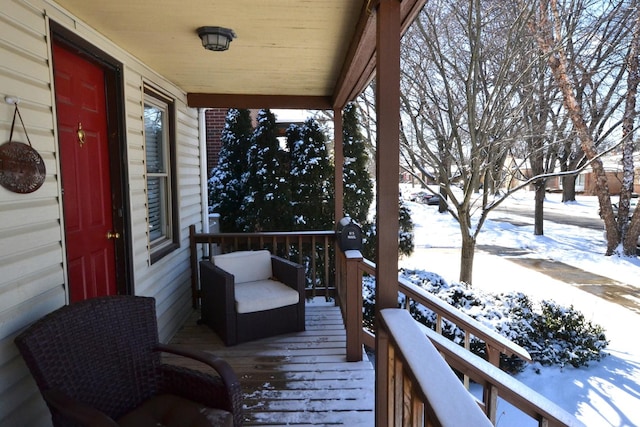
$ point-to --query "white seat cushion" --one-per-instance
(263, 295)
(246, 266)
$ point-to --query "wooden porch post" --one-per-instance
(388, 25)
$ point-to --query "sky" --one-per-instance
(284, 115)
(607, 393)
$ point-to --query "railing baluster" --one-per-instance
(313, 265)
(407, 398)
(467, 346)
(300, 251)
(491, 402)
(326, 267)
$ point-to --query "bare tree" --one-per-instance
(544, 122)
(629, 231)
(551, 31)
(462, 106)
(594, 32)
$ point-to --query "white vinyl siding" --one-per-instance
(32, 261)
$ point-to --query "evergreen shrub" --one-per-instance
(551, 333)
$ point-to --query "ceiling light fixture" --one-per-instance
(216, 38)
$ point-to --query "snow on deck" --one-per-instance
(300, 379)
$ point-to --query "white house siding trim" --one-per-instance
(32, 271)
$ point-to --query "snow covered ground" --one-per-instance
(606, 393)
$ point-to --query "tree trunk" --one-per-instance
(538, 226)
(558, 63)
(568, 188)
(629, 232)
(466, 258)
(442, 206)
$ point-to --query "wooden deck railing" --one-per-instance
(349, 297)
(495, 343)
(422, 389)
(313, 249)
(408, 380)
(498, 384)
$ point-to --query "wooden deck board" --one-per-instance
(300, 379)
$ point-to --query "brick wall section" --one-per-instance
(214, 121)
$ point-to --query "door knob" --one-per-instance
(81, 134)
(113, 235)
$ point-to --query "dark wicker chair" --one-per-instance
(98, 363)
(220, 299)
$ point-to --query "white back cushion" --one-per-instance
(246, 266)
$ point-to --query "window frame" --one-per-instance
(170, 239)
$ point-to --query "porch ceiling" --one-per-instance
(288, 53)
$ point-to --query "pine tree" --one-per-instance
(226, 191)
(266, 205)
(311, 177)
(358, 187)
(405, 236)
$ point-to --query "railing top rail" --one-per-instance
(463, 320)
(202, 237)
(451, 403)
(510, 389)
(369, 267)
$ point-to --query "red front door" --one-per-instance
(86, 180)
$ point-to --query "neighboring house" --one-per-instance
(585, 180)
(214, 122)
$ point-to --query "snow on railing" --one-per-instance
(498, 384)
(423, 389)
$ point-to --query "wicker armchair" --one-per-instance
(247, 295)
(98, 363)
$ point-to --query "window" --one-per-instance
(160, 167)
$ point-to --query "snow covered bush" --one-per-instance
(563, 335)
(552, 334)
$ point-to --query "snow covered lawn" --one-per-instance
(607, 393)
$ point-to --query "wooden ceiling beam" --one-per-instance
(360, 64)
(216, 100)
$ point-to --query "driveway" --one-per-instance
(603, 287)
(549, 215)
